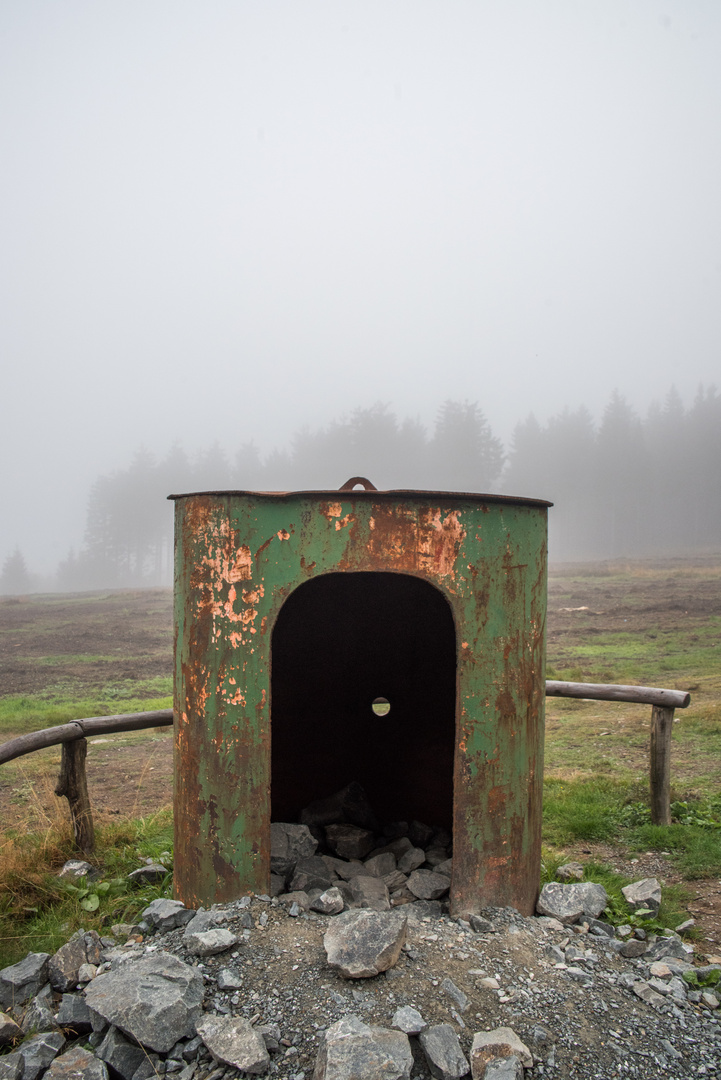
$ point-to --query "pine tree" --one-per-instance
(15, 579)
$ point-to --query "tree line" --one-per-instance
(627, 486)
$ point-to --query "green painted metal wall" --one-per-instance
(240, 555)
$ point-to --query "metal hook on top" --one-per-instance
(350, 484)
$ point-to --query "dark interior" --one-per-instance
(341, 641)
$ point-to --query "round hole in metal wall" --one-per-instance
(381, 706)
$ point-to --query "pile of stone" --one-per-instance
(320, 981)
(338, 857)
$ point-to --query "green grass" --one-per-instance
(20, 713)
(603, 809)
(39, 912)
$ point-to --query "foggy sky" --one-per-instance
(225, 220)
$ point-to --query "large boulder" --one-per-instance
(156, 1000)
(354, 1049)
(362, 943)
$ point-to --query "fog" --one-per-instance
(227, 222)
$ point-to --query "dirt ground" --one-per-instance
(83, 642)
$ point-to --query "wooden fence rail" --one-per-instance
(72, 781)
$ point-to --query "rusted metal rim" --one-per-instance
(395, 493)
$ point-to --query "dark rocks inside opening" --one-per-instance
(342, 643)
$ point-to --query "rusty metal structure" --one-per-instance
(295, 612)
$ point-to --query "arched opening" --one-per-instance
(363, 687)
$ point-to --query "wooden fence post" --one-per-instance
(73, 784)
(661, 726)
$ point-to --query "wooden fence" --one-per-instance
(72, 780)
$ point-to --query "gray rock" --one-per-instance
(11, 1066)
(121, 1055)
(665, 948)
(642, 990)
(435, 856)
(370, 892)
(443, 1052)
(411, 860)
(445, 868)
(288, 844)
(209, 942)
(330, 902)
(155, 1000)
(409, 1020)
(343, 869)
(203, 920)
(78, 868)
(277, 884)
(455, 994)
(643, 894)
(568, 903)
(150, 1069)
(38, 1017)
(64, 966)
(311, 873)
(167, 915)
(633, 947)
(21, 981)
(150, 874)
(399, 846)
(233, 1041)
(380, 865)
(500, 1043)
(570, 871)
(479, 925)
(360, 944)
(600, 929)
(509, 1068)
(77, 1064)
(271, 1035)
(395, 881)
(228, 979)
(299, 898)
(349, 841)
(9, 1030)
(420, 834)
(38, 1052)
(350, 805)
(579, 975)
(427, 885)
(74, 1013)
(352, 1049)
